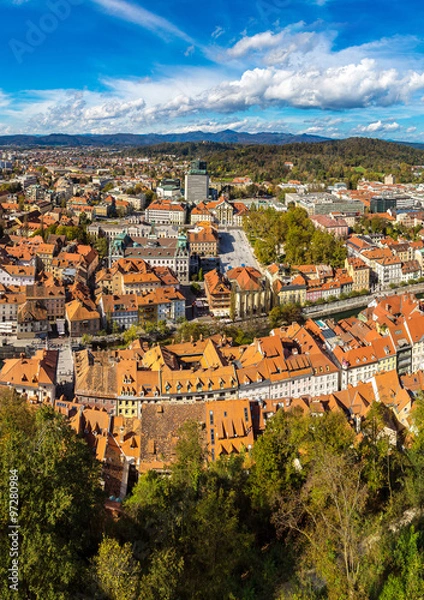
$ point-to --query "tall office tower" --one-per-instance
(197, 182)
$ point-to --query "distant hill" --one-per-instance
(128, 139)
(327, 161)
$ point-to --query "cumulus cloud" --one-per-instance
(257, 42)
(378, 126)
(348, 86)
(297, 69)
(74, 114)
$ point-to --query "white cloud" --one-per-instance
(138, 15)
(4, 99)
(143, 104)
(411, 129)
(377, 126)
(257, 42)
(298, 70)
(344, 87)
(189, 51)
(218, 31)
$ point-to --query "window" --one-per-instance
(246, 415)
(212, 437)
(211, 417)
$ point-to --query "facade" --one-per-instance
(51, 295)
(388, 270)
(360, 273)
(201, 213)
(156, 252)
(203, 241)
(322, 203)
(81, 319)
(169, 188)
(294, 292)
(382, 203)
(120, 310)
(251, 290)
(34, 378)
(16, 275)
(32, 320)
(336, 226)
(196, 183)
(218, 293)
(163, 304)
(166, 212)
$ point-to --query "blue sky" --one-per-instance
(329, 67)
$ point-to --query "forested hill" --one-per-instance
(348, 159)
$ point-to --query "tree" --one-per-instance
(164, 576)
(83, 219)
(116, 571)
(381, 459)
(405, 571)
(86, 339)
(327, 514)
(130, 334)
(215, 546)
(192, 329)
(60, 510)
(285, 314)
(190, 456)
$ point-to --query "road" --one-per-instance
(235, 250)
(65, 367)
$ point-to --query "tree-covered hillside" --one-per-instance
(347, 160)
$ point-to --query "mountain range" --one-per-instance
(128, 139)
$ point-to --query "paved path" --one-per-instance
(235, 250)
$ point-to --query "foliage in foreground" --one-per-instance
(314, 512)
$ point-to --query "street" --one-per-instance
(65, 367)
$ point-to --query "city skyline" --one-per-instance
(316, 67)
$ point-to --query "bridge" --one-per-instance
(326, 310)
